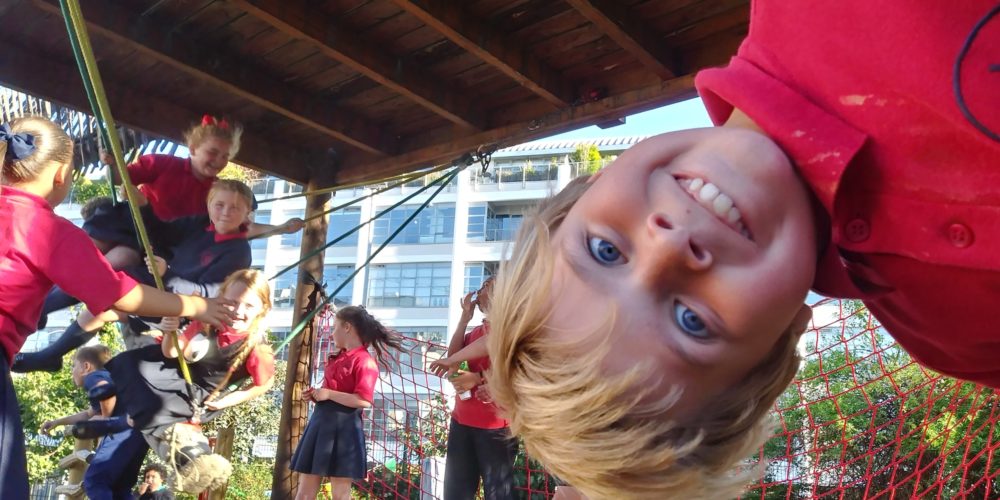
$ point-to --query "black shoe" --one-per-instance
(50, 358)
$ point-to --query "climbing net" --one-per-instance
(861, 420)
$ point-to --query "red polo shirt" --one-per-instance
(260, 362)
(353, 372)
(479, 410)
(859, 95)
(39, 249)
(170, 186)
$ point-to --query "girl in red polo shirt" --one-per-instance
(170, 187)
(155, 395)
(333, 444)
(39, 249)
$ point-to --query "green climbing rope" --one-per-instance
(106, 124)
(356, 228)
(329, 296)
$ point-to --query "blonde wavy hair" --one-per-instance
(210, 127)
(606, 434)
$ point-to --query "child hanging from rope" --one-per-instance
(650, 314)
(116, 462)
(333, 444)
(203, 250)
(157, 399)
(171, 187)
(39, 249)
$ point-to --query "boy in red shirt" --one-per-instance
(649, 316)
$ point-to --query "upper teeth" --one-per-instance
(719, 203)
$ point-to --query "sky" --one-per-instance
(682, 115)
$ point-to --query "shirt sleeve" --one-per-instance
(144, 170)
(260, 364)
(365, 376)
(81, 271)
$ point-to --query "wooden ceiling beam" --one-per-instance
(305, 21)
(630, 33)
(109, 20)
(46, 77)
(446, 148)
(478, 38)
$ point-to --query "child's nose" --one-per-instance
(669, 247)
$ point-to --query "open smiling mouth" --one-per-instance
(715, 201)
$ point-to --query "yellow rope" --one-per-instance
(71, 8)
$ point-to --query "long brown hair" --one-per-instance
(371, 332)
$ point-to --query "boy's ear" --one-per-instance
(801, 321)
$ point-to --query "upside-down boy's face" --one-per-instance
(703, 243)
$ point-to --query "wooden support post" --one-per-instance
(294, 411)
(224, 447)
(76, 472)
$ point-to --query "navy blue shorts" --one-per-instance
(13, 462)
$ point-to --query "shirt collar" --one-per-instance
(219, 238)
(33, 199)
(820, 145)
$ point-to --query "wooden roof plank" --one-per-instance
(109, 20)
(630, 33)
(299, 20)
(60, 82)
(503, 53)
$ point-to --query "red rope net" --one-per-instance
(861, 420)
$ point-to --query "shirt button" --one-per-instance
(960, 235)
(857, 230)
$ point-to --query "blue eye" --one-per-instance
(604, 252)
(690, 322)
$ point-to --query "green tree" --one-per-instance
(85, 189)
(588, 157)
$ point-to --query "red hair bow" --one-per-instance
(210, 120)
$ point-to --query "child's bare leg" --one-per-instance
(308, 486)
(121, 257)
(78, 333)
(103, 246)
(341, 488)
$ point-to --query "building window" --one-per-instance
(476, 273)
(489, 223)
(260, 217)
(284, 289)
(293, 240)
(264, 186)
(292, 188)
(478, 215)
(421, 346)
(334, 276)
(341, 222)
(503, 227)
(434, 224)
(409, 285)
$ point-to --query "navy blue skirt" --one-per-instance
(333, 444)
(113, 223)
